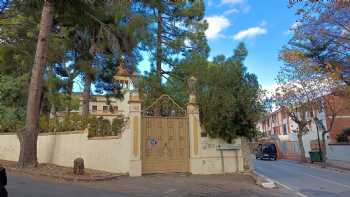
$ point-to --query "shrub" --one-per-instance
(346, 131)
(92, 121)
(342, 138)
(118, 124)
(72, 122)
(103, 127)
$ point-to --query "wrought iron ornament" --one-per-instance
(164, 106)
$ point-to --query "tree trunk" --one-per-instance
(69, 93)
(28, 136)
(86, 95)
(324, 150)
(159, 43)
(301, 146)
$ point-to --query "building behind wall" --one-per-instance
(109, 106)
(278, 124)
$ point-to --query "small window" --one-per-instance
(105, 108)
(94, 108)
(113, 109)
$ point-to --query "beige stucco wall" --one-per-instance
(103, 154)
(204, 156)
(208, 160)
(9, 147)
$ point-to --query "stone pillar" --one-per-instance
(135, 168)
(194, 131)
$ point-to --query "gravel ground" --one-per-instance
(148, 185)
(188, 185)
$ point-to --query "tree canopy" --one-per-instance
(228, 95)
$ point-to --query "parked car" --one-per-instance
(266, 151)
(3, 182)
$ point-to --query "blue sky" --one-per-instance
(262, 24)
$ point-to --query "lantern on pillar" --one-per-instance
(192, 85)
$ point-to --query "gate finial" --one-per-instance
(192, 85)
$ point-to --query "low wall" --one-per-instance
(339, 152)
(109, 154)
(209, 160)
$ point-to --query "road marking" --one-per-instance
(296, 191)
(321, 178)
(170, 191)
(283, 185)
(328, 169)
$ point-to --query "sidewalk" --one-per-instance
(343, 165)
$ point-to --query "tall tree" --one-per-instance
(228, 95)
(322, 33)
(115, 29)
(28, 136)
(178, 29)
(302, 92)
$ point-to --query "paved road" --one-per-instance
(307, 180)
(147, 186)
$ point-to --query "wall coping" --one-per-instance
(339, 144)
(51, 133)
(12, 133)
(63, 133)
(105, 137)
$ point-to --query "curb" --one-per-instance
(271, 184)
(66, 178)
(261, 180)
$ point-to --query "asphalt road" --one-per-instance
(306, 180)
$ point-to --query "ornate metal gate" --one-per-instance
(165, 138)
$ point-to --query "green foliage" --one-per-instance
(176, 29)
(343, 136)
(346, 131)
(98, 126)
(12, 102)
(150, 88)
(73, 122)
(322, 35)
(229, 102)
(117, 125)
(228, 96)
(103, 127)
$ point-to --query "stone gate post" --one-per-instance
(135, 168)
(194, 126)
